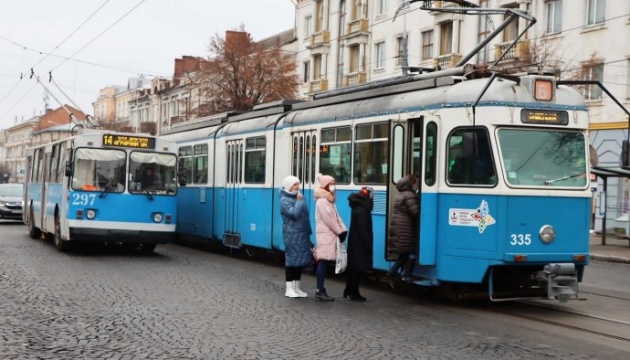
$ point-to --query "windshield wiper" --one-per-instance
(564, 178)
(148, 194)
(107, 189)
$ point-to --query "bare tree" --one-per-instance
(241, 73)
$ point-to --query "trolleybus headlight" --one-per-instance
(90, 214)
(157, 217)
(547, 234)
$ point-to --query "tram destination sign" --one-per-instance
(127, 141)
(550, 117)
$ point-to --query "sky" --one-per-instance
(88, 45)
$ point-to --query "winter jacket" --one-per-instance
(296, 230)
(328, 225)
(403, 228)
(360, 237)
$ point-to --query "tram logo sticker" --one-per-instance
(479, 217)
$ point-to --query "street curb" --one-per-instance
(609, 259)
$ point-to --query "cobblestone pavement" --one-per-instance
(183, 303)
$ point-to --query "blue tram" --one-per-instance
(503, 163)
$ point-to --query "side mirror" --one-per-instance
(68, 170)
(181, 178)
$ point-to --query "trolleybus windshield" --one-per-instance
(543, 158)
(99, 170)
(153, 173)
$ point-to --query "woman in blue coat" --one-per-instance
(296, 232)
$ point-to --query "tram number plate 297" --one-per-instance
(83, 199)
(520, 239)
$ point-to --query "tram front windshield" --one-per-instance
(547, 158)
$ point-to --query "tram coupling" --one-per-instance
(561, 281)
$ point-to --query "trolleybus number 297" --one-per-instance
(83, 199)
(521, 239)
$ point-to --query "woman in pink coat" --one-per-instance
(328, 227)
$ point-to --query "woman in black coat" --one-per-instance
(359, 242)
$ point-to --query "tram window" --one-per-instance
(534, 157)
(335, 153)
(99, 169)
(470, 158)
(200, 168)
(295, 155)
(313, 152)
(370, 154)
(186, 162)
(307, 160)
(429, 156)
(255, 160)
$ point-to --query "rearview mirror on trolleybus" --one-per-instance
(68, 170)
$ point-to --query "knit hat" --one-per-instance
(324, 180)
(289, 181)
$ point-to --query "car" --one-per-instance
(11, 201)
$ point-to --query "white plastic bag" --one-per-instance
(342, 257)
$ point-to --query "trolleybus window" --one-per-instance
(370, 154)
(470, 158)
(543, 157)
(335, 155)
(99, 170)
(152, 172)
(255, 160)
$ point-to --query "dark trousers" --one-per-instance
(353, 278)
(405, 262)
(322, 267)
(293, 273)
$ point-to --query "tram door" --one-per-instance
(405, 157)
(304, 144)
(233, 192)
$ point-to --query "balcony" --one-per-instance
(356, 27)
(318, 85)
(354, 79)
(446, 61)
(519, 52)
(320, 38)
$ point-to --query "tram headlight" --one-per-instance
(547, 234)
(157, 217)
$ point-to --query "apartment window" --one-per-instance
(317, 67)
(596, 11)
(379, 49)
(446, 38)
(308, 26)
(484, 29)
(511, 31)
(427, 44)
(354, 59)
(554, 16)
(382, 7)
(400, 44)
(306, 71)
(593, 72)
(319, 11)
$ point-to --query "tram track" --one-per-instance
(551, 314)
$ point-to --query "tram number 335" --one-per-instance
(83, 199)
(521, 239)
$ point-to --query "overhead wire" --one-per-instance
(72, 33)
